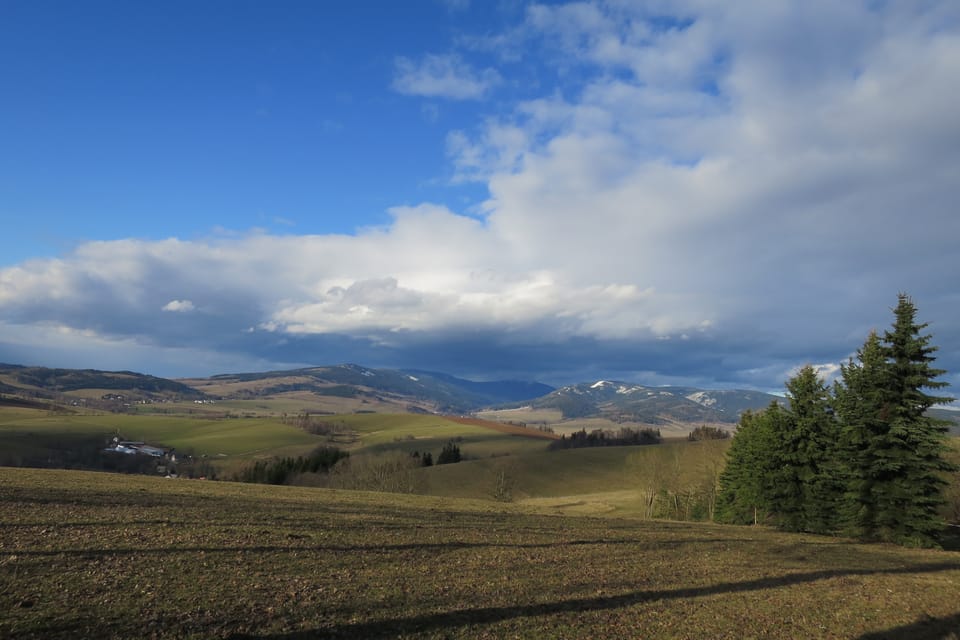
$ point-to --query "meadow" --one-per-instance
(229, 443)
(609, 479)
(97, 555)
(554, 420)
(676, 480)
(31, 434)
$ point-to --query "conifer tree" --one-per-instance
(789, 474)
(860, 403)
(867, 461)
(917, 442)
(747, 480)
(449, 454)
(894, 483)
(805, 482)
(813, 431)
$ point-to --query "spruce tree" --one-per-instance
(449, 454)
(805, 482)
(790, 475)
(867, 461)
(747, 480)
(916, 441)
(861, 402)
(893, 451)
(812, 440)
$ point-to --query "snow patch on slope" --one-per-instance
(703, 398)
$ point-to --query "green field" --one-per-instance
(611, 480)
(98, 555)
(617, 480)
(416, 432)
(231, 437)
(625, 481)
(230, 442)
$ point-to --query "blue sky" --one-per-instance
(173, 119)
(688, 192)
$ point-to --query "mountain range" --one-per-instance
(391, 389)
(420, 390)
(624, 401)
(351, 387)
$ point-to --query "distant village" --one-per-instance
(112, 401)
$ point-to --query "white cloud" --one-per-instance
(757, 181)
(442, 76)
(179, 306)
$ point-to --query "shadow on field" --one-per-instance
(375, 548)
(925, 630)
(56, 524)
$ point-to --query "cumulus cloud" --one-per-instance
(178, 306)
(442, 76)
(715, 198)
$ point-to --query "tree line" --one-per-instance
(282, 470)
(624, 437)
(366, 471)
(706, 432)
(860, 458)
(450, 454)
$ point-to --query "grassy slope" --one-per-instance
(554, 419)
(240, 437)
(583, 480)
(415, 432)
(598, 480)
(244, 438)
(616, 480)
(96, 555)
(541, 474)
(295, 402)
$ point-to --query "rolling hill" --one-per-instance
(418, 391)
(412, 390)
(44, 382)
(349, 388)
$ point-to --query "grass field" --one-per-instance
(417, 432)
(539, 474)
(523, 414)
(605, 480)
(97, 555)
(614, 480)
(232, 437)
(232, 441)
(554, 419)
